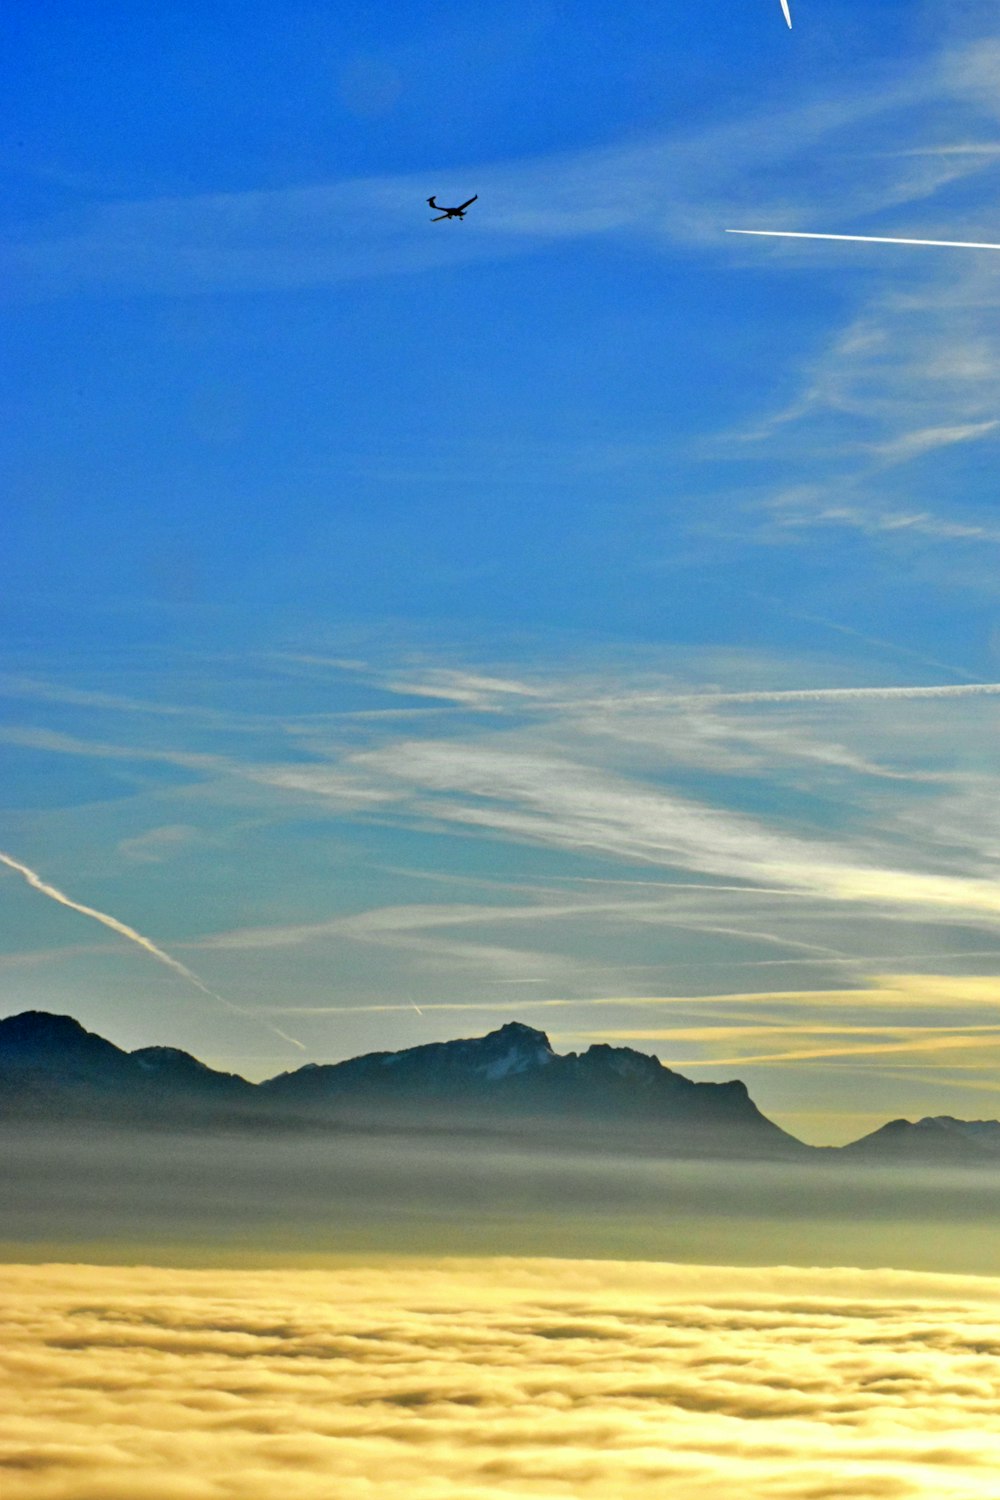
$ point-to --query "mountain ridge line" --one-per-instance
(508, 1082)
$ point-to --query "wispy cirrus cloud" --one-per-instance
(159, 844)
(551, 800)
(724, 830)
(880, 522)
(906, 388)
(801, 1042)
(596, 796)
(896, 401)
(679, 188)
(915, 444)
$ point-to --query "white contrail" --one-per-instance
(38, 884)
(867, 239)
(848, 694)
(788, 14)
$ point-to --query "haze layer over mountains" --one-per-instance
(493, 1145)
(507, 1084)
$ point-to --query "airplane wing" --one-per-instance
(468, 201)
(788, 14)
(439, 218)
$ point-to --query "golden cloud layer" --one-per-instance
(498, 1380)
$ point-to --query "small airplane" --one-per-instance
(450, 213)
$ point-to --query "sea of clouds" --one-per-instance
(481, 1379)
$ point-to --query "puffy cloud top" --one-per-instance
(480, 1380)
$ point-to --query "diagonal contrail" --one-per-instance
(788, 14)
(867, 239)
(38, 884)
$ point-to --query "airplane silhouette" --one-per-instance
(450, 213)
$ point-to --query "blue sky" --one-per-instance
(575, 614)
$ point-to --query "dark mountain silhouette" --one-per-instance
(512, 1078)
(507, 1083)
(935, 1138)
(51, 1068)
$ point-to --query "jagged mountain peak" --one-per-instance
(513, 1048)
(510, 1050)
(625, 1062)
(518, 1031)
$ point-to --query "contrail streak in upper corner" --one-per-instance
(38, 884)
(788, 14)
(867, 239)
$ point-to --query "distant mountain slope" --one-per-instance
(51, 1068)
(510, 1082)
(935, 1138)
(512, 1076)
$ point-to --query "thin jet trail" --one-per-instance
(788, 14)
(867, 239)
(846, 694)
(38, 884)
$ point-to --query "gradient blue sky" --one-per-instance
(517, 618)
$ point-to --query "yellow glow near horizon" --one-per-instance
(766, 1018)
(843, 1047)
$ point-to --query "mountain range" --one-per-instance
(509, 1082)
